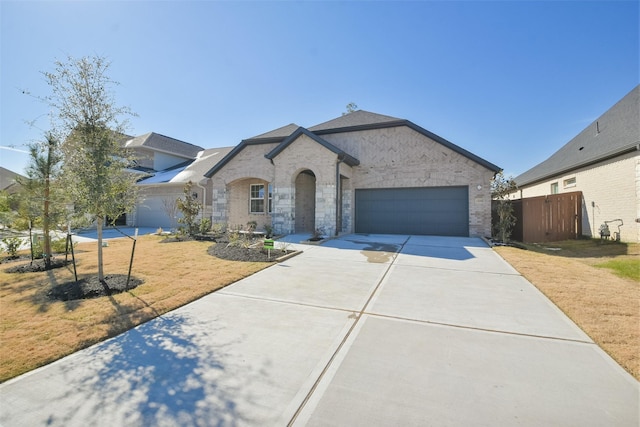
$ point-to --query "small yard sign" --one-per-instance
(268, 244)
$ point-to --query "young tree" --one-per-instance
(170, 208)
(91, 129)
(43, 203)
(501, 188)
(190, 209)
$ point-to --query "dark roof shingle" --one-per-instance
(355, 119)
(614, 133)
(281, 132)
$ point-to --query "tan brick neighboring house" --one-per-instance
(603, 162)
(361, 172)
(167, 165)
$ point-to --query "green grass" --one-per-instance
(584, 248)
(627, 268)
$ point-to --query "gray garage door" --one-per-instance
(151, 213)
(439, 211)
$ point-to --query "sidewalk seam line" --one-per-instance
(344, 339)
(281, 301)
(473, 328)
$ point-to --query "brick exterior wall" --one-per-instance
(401, 157)
(305, 154)
(394, 157)
(610, 190)
(227, 186)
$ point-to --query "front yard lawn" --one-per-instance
(628, 268)
(36, 329)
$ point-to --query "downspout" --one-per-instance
(204, 195)
(338, 196)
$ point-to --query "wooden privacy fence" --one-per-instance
(548, 218)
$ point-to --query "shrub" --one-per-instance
(60, 245)
(37, 247)
(12, 244)
(190, 209)
(219, 228)
(205, 225)
(501, 188)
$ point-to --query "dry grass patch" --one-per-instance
(605, 306)
(35, 330)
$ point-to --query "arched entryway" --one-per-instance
(305, 197)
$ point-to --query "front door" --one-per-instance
(305, 202)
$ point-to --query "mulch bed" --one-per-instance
(37, 266)
(237, 252)
(12, 259)
(88, 287)
(91, 287)
(185, 238)
(222, 250)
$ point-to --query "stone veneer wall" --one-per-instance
(393, 157)
(248, 163)
(305, 154)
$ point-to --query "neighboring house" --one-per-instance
(361, 172)
(161, 190)
(8, 181)
(165, 165)
(603, 162)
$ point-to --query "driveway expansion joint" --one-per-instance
(357, 317)
(288, 302)
(474, 328)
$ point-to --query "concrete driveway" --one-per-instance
(362, 331)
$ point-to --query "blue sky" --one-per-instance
(510, 81)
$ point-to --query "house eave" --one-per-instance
(342, 156)
(237, 149)
(569, 169)
(418, 129)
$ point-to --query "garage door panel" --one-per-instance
(151, 213)
(427, 210)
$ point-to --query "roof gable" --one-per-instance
(450, 145)
(356, 119)
(351, 161)
(235, 151)
(165, 144)
(281, 132)
(614, 133)
(364, 120)
(352, 122)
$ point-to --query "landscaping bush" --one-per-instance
(12, 244)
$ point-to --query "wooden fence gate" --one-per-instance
(548, 218)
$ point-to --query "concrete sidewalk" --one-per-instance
(363, 330)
